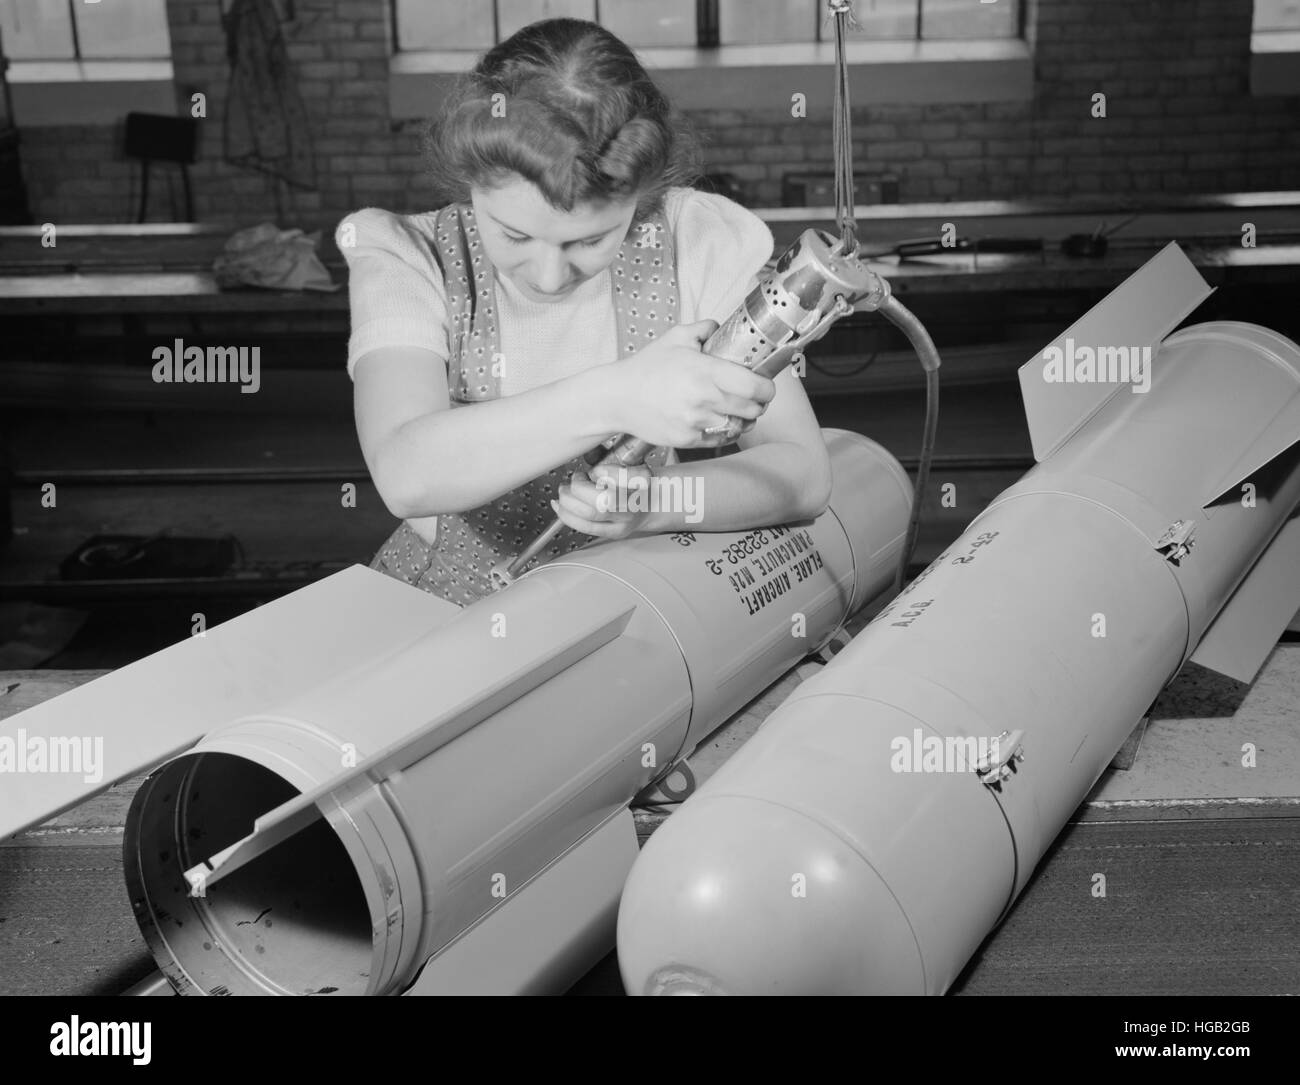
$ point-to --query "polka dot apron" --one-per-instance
(643, 288)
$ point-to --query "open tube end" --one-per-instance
(295, 920)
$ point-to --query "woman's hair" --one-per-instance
(566, 105)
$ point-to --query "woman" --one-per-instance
(560, 299)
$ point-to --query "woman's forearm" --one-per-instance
(453, 460)
(771, 483)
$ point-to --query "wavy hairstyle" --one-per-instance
(583, 121)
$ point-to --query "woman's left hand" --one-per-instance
(602, 504)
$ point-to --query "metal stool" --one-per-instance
(153, 138)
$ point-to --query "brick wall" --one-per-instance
(1180, 118)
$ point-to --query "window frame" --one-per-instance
(708, 25)
(740, 76)
(711, 76)
(71, 92)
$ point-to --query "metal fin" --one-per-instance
(152, 709)
(573, 634)
(1139, 312)
(1278, 438)
(1246, 629)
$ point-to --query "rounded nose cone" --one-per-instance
(738, 896)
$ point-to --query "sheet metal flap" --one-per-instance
(1246, 629)
(133, 719)
(1280, 437)
(1138, 313)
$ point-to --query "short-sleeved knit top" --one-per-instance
(398, 298)
(699, 260)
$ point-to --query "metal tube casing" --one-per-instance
(543, 708)
(878, 826)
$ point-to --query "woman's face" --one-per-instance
(547, 253)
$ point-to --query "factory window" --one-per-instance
(1277, 15)
(719, 54)
(76, 62)
(452, 25)
(78, 30)
(1275, 48)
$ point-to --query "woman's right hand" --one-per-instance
(670, 392)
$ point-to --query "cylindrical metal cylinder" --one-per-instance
(397, 870)
(877, 827)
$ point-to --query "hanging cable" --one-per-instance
(902, 318)
(893, 310)
(842, 132)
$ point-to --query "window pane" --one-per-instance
(650, 22)
(444, 24)
(764, 22)
(36, 29)
(1277, 14)
(122, 28)
(516, 14)
(881, 20)
(969, 19)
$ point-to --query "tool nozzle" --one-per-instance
(509, 571)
